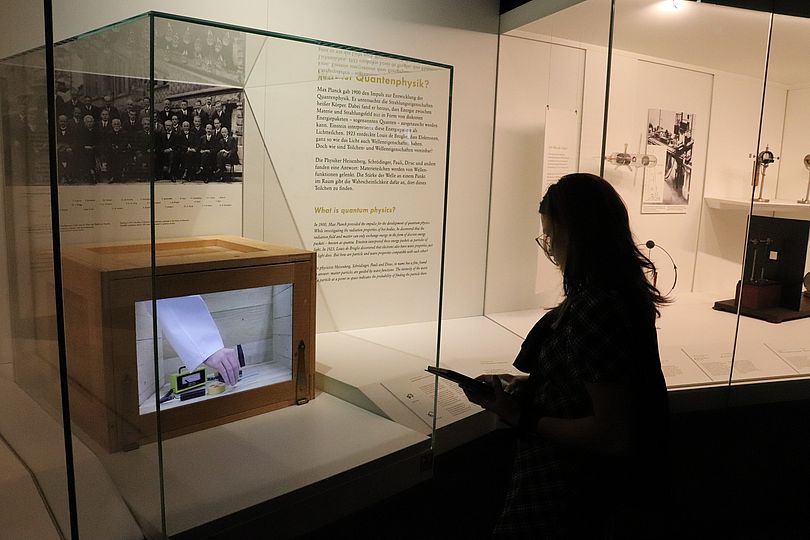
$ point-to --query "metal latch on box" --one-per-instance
(301, 374)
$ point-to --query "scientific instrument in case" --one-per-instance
(185, 380)
(187, 384)
(650, 244)
(763, 160)
(626, 159)
(760, 292)
(771, 288)
(806, 199)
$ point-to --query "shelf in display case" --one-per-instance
(692, 358)
(795, 209)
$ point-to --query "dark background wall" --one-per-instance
(799, 8)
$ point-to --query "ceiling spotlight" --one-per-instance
(670, 5)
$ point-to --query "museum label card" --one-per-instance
(679, 369)
(752, 361)
(115, 212)
(416, 393)
(715, 360)
(560, 145)
(795, 355)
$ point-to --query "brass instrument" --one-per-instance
(806, 199)
(764, 159)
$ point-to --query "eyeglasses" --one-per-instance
(544, 241)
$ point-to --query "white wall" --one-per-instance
(439, 30)
(793, 176)
(735, 118)
(523, 94)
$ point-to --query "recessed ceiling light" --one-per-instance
(670, 5)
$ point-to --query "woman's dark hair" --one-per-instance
(600, 252)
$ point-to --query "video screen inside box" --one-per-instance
(214, 344)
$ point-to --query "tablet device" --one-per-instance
(460, 379)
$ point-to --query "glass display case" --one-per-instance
(242, 288)
(703, 137)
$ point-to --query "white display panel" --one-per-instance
(525, 96)
(355, 150)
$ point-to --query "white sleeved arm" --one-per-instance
(190, 329)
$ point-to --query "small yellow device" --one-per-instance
(185, 380)
(215, 387)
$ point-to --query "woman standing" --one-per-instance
(592, 414)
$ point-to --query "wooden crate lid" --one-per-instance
(181, 254)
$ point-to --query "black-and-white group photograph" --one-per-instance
(673, 131)
(199, 133)
(107, 133)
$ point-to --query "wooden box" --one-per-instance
(759, 295)
(110, 346)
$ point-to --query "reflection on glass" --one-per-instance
(120, 50)
(105, 144)
(32, 447)
(25, 121)
(205, 54)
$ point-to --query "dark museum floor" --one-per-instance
(740, 473)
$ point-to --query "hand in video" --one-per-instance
(226, 362)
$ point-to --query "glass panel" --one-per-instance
(683, 120)
(774, 332)
(549, 122)
(32, 447)
(104, 145)
(200, 54)
(301, 148)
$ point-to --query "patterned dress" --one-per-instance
(556, 492)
